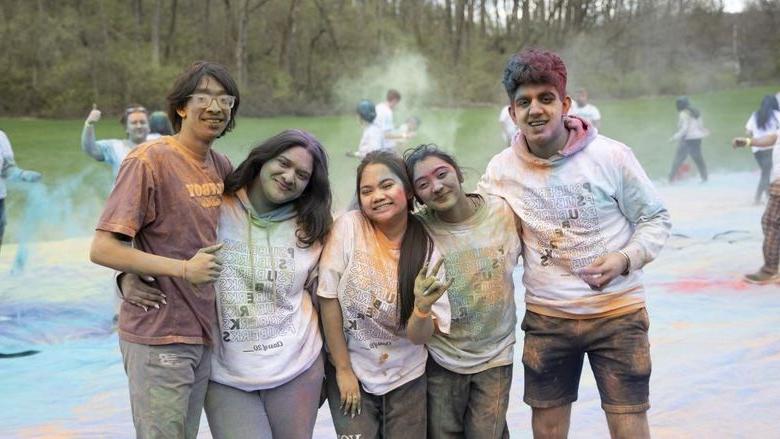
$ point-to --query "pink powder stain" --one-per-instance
(707, 285)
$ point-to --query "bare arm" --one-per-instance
(88, 142)
(109, 251)
(333, 324)
(767, 141)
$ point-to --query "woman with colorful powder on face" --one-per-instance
(379, 281)
(469, 369)
(267, 367)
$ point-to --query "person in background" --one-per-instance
(135, 120)
(159, 125)
(584, 109)
(770, 220)
(764, 121)
(508, 127)
(10, 172)
(371, 139)
(386, 121)
(690, 132)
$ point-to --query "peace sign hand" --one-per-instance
(427, 288)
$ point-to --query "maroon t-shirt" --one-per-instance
(167, 199)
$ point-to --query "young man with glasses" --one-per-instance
(135, 119)
(166, 200)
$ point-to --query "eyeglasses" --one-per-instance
(131, 110)
(203, 100)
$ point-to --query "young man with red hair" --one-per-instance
(591, 220)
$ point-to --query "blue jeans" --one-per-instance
(468, 405)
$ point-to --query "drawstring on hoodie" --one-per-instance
(264, 224)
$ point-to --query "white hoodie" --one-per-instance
(591, 198)
(268, 327)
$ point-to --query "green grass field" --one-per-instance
(76, 185)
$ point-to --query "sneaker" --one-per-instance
(761, 277)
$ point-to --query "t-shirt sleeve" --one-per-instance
(596, 113)
(750, 125)
(333, 261)
(106, 150)
(131, 204)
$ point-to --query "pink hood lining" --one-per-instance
(581, 133)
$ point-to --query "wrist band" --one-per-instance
(749, 141)
(420, 314)
(184, 270)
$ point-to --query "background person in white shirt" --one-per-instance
(584, 109)
(135, 119)
(508, 127)
(385, 120)
(764, 121)
(9, 171)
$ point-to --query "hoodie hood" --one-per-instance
(581, 133)
(282, 213)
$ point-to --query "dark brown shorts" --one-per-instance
(618, 351)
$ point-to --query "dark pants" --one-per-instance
(770, 223)
(764, 159)
(688, 147)
(470, 406)
(398, 414)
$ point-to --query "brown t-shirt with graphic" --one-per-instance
(167, 199)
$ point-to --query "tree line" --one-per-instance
(60, 56)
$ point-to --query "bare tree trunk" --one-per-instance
(482, 18)
(169, 40)
(156, 33)
(287, 36)
(240, 49)
(448, 18)
(460, 10)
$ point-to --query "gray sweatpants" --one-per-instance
(286, 411)
(167, 387)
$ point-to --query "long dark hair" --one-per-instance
(313, 206)
(766, 111)
(187, 83)
(416, 246)
(412, 156)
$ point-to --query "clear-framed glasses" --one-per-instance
(131, 110)
(203, 100)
